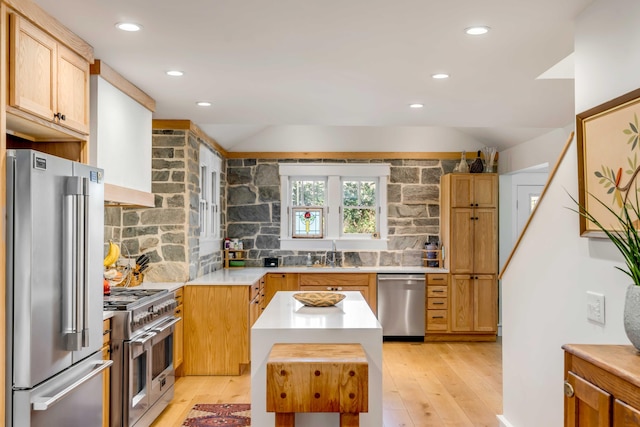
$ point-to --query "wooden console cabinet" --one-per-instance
(602, 386)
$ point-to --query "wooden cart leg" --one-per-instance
(349, 420)
(285, 419)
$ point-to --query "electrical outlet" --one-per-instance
(595, 307)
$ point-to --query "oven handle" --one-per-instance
(166, 325)
(147, 337)
(44, 403)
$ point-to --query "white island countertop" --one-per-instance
(285, 320)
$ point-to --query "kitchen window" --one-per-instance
(209, 218)
(323, 204)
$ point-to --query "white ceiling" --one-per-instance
(340, 63)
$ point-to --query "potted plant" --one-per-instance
(624, 235)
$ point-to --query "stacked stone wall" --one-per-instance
(169, 232)
(413, 192)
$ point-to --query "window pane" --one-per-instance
(359, 221)
(350, 193)
(307, 193)
(203, 182)
(367, 193)
(307, 223)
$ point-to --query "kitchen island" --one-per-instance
(285, 320)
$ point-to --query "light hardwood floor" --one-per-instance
(425, 385)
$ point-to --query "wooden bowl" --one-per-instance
(319, 299)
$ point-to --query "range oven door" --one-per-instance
(137, 384)
(162, 369)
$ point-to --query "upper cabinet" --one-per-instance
(474, 190)
(121, 135)
(47, 79)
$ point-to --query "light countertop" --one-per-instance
(250, 275)
(285, 312)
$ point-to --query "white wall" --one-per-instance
(544, 288)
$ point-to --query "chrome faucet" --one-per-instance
(331, 256)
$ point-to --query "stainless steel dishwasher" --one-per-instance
(401, 300)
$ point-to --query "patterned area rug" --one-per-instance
(220, 414)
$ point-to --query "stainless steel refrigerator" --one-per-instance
(54, 236)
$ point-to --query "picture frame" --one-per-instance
(308, 223)
(608, 159)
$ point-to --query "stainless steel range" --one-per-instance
(142, 352)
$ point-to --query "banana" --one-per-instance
(112, 255)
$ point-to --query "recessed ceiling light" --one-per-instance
(477, 31)
(416, 105)
(128, 26)
(175, 73)
(203, 104)
(440, 76)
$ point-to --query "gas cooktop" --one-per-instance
(128, 298)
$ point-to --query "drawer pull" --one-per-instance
(437, 291)
(437, 303)
(437, 317)
(108, 331)
(437, 278)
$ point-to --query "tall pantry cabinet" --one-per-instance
(469, 227)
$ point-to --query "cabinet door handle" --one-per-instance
(568, 389)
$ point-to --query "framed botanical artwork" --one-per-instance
(308, 223)
(608, 160)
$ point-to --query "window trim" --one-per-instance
(334, 174)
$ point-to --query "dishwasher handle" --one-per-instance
(399, 277)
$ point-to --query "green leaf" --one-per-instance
(598, 174)
(626, 132)
(633, 128)
(611, 190)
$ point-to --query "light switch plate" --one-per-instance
(595, 307)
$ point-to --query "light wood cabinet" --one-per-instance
(279, 282)
(217, 327)
(178, 333)
(363, 282)
(106, 376)
(46, 78)
(474, 190)
(437, 302)
(602, 386)
(469, 230)
(474, 303)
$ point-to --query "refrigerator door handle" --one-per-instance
(45, 402)
(84, 258)
(74, 270)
